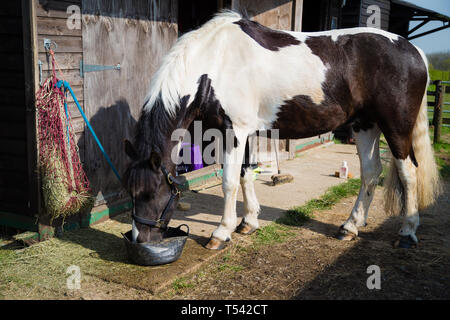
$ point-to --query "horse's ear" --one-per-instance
(155, 161)
(129, 150)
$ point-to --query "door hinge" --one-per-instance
(95, 67)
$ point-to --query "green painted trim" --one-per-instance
(27, 236)
(303, 145)
(202, 179)
(17, 221)
(94, 217)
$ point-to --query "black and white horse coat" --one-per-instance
(236, 74)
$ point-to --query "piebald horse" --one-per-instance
(236, 74)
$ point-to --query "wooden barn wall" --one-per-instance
(351, 14)
(14, 178)
(136, 34)
(275, 14)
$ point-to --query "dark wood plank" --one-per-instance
(13, 198)
(12, 130)
(55, 9)
(78, 91)
(11, 26)
(12, 62)
(73, 109)
(66, 61)
(11, 9)
(78, 125)
(11, 43)
(12, 114)
(55, 26)
(12, 179)
(64, 43)
(12, 79)
(71, 76)
(12, 97)
(13, 147)
(383, 4)
(13, 163)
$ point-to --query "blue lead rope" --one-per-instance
(67, 87)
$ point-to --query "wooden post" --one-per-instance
(297, 13)
(31, 85)
(437, 118)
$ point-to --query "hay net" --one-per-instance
(65, 187)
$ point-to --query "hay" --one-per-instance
(65, 187)
(60, 199)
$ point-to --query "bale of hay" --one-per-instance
(61, 198)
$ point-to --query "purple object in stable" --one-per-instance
(196, 155)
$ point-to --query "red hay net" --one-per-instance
(64, 183)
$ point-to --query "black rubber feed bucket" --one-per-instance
(155, 253)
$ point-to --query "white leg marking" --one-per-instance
(367, 144)
(230, 184)
(251, 204)
(408, 176)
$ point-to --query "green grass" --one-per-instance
(439, 75)
(230, 267)
(444, 167)
(442, 147)
(297, 216)
(180, 284)
(272, 233)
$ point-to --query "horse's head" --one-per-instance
(154, 193)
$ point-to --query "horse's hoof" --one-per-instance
(405, 242)
(345, 235)
(245, 228)
(215, 244)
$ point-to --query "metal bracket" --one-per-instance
(40, 63)
(95, 67)
(48, 44)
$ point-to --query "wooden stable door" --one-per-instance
(134, 35)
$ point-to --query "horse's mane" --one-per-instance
(166, 82)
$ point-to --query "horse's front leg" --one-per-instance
(230, 185)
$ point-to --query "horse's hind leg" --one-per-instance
(408, 177)
(367, 144)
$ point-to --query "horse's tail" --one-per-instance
(428, 182)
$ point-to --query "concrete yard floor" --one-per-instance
(100, 253)
(313, 174)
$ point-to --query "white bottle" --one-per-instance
(343, 172)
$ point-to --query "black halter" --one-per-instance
(162, 222)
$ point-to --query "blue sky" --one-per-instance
(437, 41)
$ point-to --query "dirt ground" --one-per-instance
(304, 262)
(312, 264)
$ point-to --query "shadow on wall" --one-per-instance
(112, 125)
